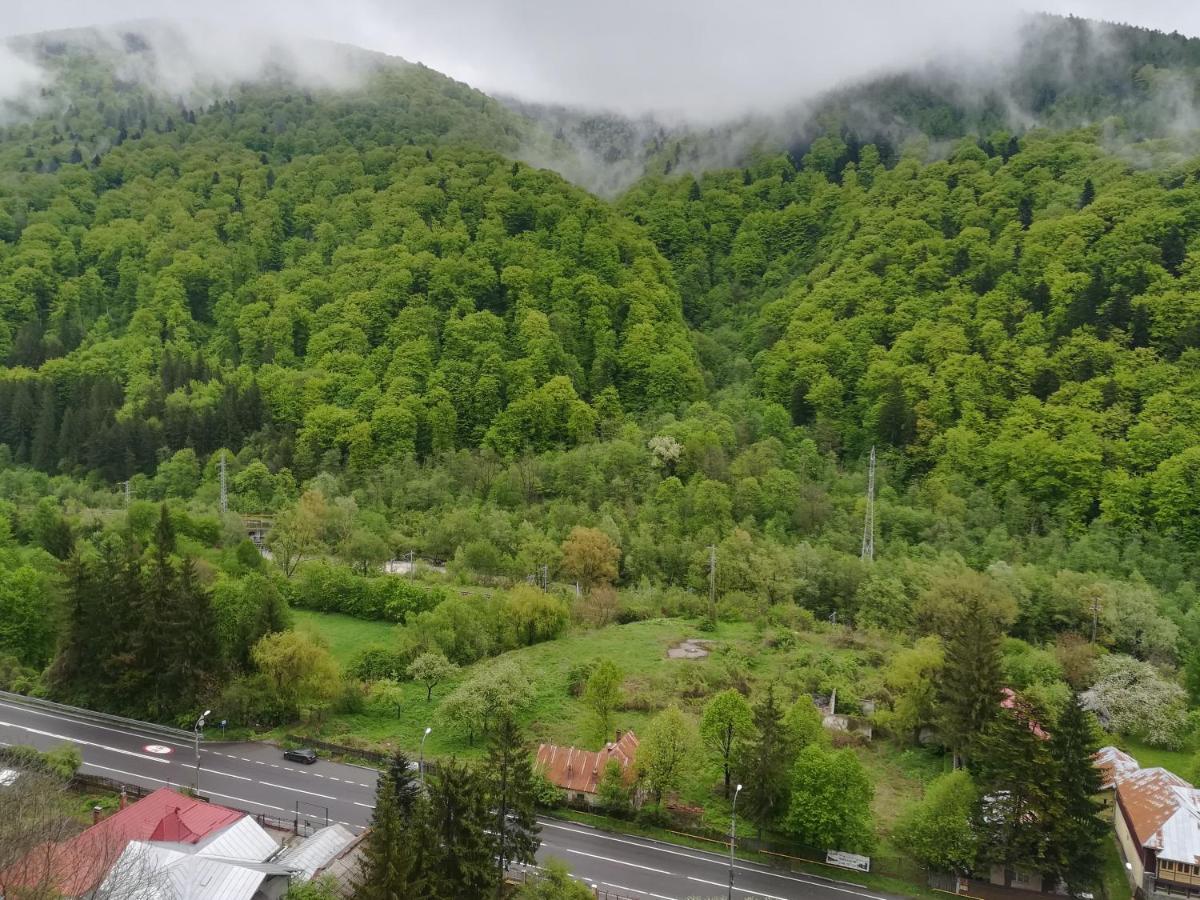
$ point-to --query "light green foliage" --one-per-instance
(727, 722)
(554, 883)
(431, 669)
(666, 752)
(937, 830)
(803, 722)
(830, 804)
(602, 694)
(498, 690)
(299, 668)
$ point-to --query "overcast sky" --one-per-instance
(705, 58)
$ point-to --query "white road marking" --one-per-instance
(88, 765)
(609, 859)
(297, 790)
(367, 805)
(61, 718)
(244, 800)
(736, 890)
(621, 887)
(657, 847)
(63, 737)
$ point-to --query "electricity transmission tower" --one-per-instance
(224, 492)
(868, 544)
(128, 492)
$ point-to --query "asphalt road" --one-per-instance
(254, 777)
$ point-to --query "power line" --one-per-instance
(868, 542)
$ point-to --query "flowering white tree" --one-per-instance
(1133, 698)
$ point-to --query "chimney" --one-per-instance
(123, 801)
(96, 810)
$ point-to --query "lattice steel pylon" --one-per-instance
(868, 543)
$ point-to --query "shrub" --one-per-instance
(323, 587)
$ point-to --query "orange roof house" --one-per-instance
(579, 771)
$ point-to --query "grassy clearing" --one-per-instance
(1181, 762)
(345, 635)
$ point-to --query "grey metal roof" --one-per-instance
(316, 851)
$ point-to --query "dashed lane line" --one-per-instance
(297, 790)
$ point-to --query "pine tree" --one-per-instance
(509, 775)
(1088, 194)
(970, 686)
(461, 864)
(765, 764)
(1078, 831)
(393, 864)
(1018, 800)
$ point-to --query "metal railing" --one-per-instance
(90, 715)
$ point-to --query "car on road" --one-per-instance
(308, 757)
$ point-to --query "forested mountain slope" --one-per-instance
(205, 281)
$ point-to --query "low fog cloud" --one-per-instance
(700, 59)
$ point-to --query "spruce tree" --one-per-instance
(461, 864)
(1018, 798)
(394, 851)
(1078, 831)
(969, 691)
(765, 764)
(510, 787)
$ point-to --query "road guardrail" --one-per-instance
(90, 715)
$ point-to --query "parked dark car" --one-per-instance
(308, 757)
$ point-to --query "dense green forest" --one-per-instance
(618, 423)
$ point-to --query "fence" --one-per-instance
(87, 715)
(373, 756)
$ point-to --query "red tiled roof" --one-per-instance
(1011, 701)
(76, 866)
(580, 770)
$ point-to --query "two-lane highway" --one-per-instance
(249, 776)
(255, 778)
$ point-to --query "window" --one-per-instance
(1022, 877)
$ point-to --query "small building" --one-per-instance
(578, 772)
(1157, 824)
(1114, 766)
(164, 845)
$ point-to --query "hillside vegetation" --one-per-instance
(619, 424)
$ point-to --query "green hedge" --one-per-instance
(329, 588)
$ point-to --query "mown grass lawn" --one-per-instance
(345, 635)
(1181, 762)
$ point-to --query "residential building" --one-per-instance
(1157, 823)
(578, 772)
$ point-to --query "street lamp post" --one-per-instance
(421, 755)
(733, 837)
(196, 730)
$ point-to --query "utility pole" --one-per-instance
(196, 729)
(224, 491)
(544, 576)
(733, 837)
(868, 542)
(712, 583)
(128, 492)
(412, 567)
